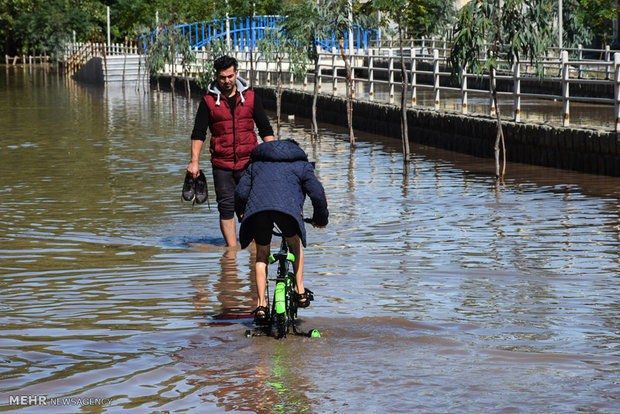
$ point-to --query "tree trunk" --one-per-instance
(173, 54)
(349, 90)
(315, 94)
(403, 100)
(251, 66)
(279, 96)
(187, 85)
(499, 138)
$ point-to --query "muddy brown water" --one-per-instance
(438, 290)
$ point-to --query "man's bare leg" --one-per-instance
(229, 231)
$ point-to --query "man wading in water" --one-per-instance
(229, 110)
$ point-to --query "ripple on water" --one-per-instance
(440, 290)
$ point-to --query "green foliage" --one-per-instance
(575, 32)
(487, 33)
(48, 25)
(307, 22)
(597, 15)
(242, 8)
(169, 47)
(277, 46)
(418, 17)
(217, 48)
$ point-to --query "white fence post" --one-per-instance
(464, 90)
(414, 77)
(608, 60)
(565, 89)
(517, 92)
(617, 90)
(352, 60)
(334, 73)
(579, 58)
(436, 77)
(319, 71)
(256, 70)
(391, 73)
(371, 74)
(492, 85)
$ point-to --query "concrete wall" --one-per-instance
(584, 150)
(91, 72)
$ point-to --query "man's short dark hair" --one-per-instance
(224, 62)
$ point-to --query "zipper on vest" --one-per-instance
(234, 136)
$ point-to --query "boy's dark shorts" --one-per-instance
(262, 226)
(225, 182)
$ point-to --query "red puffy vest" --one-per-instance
(232, 138)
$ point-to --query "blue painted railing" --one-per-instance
(245, 32)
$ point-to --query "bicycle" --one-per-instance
(283, 315)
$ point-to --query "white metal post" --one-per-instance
(414, 77)
(318, 71)
(371, 74)
(560, 21)
(579, 58)
(391, 73)
(565, 89)
(608, 60)
(334, 73)
(108, 8)
(464, 90)
(436, 77)
(227, 27)
(492, 85)
(517, 92)
(350, 6)
(617, 90)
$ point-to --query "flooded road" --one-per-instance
(436, 291)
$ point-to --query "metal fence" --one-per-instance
(573, 78)
(568, 81)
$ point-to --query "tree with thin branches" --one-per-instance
(309, 24)
(278, 46)
(493, 32)
(396, 10)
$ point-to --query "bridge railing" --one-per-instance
(240, 32)
(244, 32)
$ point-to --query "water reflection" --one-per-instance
(234, 291)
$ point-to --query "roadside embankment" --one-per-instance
(579, 149)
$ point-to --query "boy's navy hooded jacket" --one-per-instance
(279, 177)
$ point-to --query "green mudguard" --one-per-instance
(280, 297)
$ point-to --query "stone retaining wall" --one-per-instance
(584, 150)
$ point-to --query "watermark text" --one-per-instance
(56, 401)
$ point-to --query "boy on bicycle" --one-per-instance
(273, 190)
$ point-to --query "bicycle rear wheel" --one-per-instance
(281, 314)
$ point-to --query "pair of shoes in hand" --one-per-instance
(195, 189)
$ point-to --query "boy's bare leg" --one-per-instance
(262, 258)
(294, 245)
